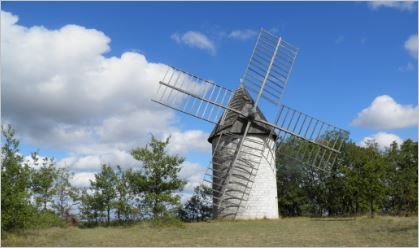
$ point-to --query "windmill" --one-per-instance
(245, 143)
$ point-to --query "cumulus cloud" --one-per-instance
(242, 34)
(82, 163)
(400, 5)
(383, 139)
(385, 113)
(59, 83)
(193, 173)
(411, 45)
(82, 179)
(196, 40)
(193, 140)
(61, 91)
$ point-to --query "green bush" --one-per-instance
(167, 221)
(45, 219)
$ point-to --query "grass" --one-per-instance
(361, 231)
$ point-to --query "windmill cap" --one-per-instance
(235, 123)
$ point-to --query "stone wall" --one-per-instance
(261, 200)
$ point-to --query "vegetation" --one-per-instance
(66, 195)
(104, 188)
(364, 180)
(149, 188)
(299, 231)
(16, 211)
(158, 178)
(42, 182)
(123, 196)
(199, 207)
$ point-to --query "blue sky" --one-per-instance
(350, 54)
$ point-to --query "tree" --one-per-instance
(16, 210)
(199, 206)
(66, 195)
(43, 181)
(353, 159)
(365, 176)
(123, 197)
(372, 175)
(291, 195)
(158, 178)
(92, 206)
(104, 185)
(401, 178)
(409, 174)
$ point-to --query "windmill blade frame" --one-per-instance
(318, 142)
(192, 95)
(269, 67)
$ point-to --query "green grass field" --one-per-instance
(361, 231)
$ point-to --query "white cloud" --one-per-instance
(65, 89)
(193, 173)
(193, 140)
(400, 5)
(60, 91)
(383, 139)
(411, 45)
(242, 34)
(385, 113)
(82, 179)
(86, 163)
(195, 39)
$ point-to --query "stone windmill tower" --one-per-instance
(262, 197)
(242, 172)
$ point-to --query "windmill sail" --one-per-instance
(307, 139)
(192, 95)
(270, 65)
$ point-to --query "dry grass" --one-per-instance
(362, 231)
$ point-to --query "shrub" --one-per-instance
(47, 218)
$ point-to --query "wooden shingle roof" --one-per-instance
(235, 123)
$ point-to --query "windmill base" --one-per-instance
(262, 200)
